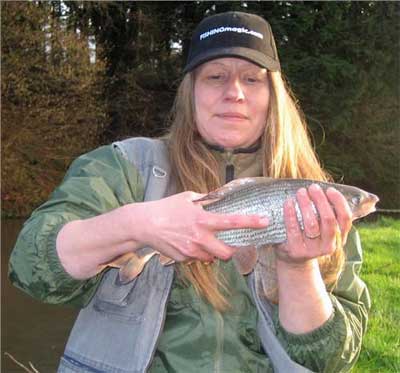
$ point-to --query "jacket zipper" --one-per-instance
(229, 168)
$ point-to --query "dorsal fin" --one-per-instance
(233, 187)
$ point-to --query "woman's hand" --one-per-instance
(302, 291)
(321, 235)
(175, 226)
(180, 229)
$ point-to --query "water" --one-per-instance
(30, 331)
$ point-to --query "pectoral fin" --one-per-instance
(267, 265)
(165, 260)
(134, 267)
(245, 259)
(121, 260)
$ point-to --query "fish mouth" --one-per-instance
(368, 206)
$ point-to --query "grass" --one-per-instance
(381, 272)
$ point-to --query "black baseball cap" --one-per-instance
(233, 34)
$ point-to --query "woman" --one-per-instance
(233, 117)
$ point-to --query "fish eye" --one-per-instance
(355, 200)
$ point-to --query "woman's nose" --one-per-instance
(234, 90)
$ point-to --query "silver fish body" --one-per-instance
(250, 196)
(265, 197)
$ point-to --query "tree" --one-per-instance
(342, 59)
(51, 110)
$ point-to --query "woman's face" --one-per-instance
(231, 102)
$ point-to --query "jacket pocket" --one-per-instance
(114, 298)
(70, 365)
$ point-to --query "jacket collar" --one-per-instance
(250, 149)
(238, 163)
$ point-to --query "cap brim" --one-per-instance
(248, 54)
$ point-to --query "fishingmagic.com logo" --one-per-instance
(240, 30)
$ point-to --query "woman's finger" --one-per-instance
(191, 245)
(310, 219)
(294, 247)
(220, 222)
(173, 253)
(328, 223)
(342, 210)
(205, 246)
(217, 248)
(193, 196)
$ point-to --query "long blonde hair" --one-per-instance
(287, 152)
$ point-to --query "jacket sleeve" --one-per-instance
(95, 183)
(335, 346)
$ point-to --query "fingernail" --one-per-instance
(264, 221)
(302, 191)
(316, 186)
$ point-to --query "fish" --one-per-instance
(265, 197)
(261, 196)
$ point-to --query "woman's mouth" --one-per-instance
(232, 116)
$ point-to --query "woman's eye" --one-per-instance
(252, 79)
(215, 77)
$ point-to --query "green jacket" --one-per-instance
(103, 180)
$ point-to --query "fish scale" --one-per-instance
(264, 197)
(253, 200)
